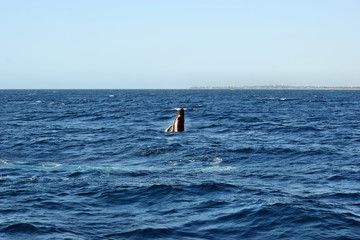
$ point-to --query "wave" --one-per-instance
(142, 233)
(157, 151)
(208, 126)
(201, 188)
(290, 129)
(285, 151)
(274, 221)
(288, 99)
(21, 228)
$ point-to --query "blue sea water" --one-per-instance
(251, 164)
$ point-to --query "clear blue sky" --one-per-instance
(178, 43)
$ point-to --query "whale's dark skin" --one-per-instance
(179, 122)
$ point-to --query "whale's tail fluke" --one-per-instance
(178, 124)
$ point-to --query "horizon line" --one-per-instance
(254, 87)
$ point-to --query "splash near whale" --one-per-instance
(178, 124)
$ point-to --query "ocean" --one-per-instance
(251, 164)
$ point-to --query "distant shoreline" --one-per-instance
(275, 87)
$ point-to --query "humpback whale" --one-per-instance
(178, 124)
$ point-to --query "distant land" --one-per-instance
(279, 87)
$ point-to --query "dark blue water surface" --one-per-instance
(251, 164)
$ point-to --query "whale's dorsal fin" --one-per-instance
(178, 124)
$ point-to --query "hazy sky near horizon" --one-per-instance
(178, 44)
